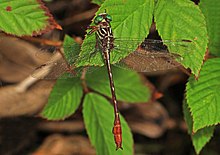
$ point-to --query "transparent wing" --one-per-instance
(52, 69)
(58, 67)
(151, 55)
(155, 55)
(45, 53)
(124, 46)
(181, 47)
(145, 61)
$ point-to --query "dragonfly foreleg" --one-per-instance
(93, 29)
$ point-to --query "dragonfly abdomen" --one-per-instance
(117, 133)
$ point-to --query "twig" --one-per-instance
(77, 18)
(43, 41)
(83, 79)
(67, 126)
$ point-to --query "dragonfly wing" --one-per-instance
(145, 61)
(52, 69)
(124, 46)
(155, 55)
(60, 69)
(90, 55)
(45, 53)
(57, 65)
(173, 46)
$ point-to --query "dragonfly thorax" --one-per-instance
(105, 36)
(104, 31)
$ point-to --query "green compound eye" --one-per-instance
(109, 17)
(98, 19)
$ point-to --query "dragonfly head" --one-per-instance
(102, 17)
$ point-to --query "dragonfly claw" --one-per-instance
(119, 147)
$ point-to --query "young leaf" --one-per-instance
(211, 9)
(182, 19)
(98, 115)
(128, 85)
(202, 136)
(131, 23)
(25, 17)
(64, 99)
(203, 96)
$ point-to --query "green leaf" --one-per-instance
(64, 99)
(211, 9)
(71, 49)
(98, 116)
(128, 85)
(203, 96)
(202, 136)
(98, 2)
(25, 17)
(182, 19)
(131, 23)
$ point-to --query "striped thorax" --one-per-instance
(104, 32)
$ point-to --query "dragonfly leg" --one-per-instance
(92, 54)
(97, 47)
(93, 29)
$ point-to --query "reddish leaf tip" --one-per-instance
(51, 23)
(157, 95)
(59, 27)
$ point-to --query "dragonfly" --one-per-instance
(105, 40)
(151, 55)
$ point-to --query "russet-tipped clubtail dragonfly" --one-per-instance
(151, 55)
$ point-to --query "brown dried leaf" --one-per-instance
(61, 145)
(148, 119)
(16, 103)
(17, 59)
(62, 126)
